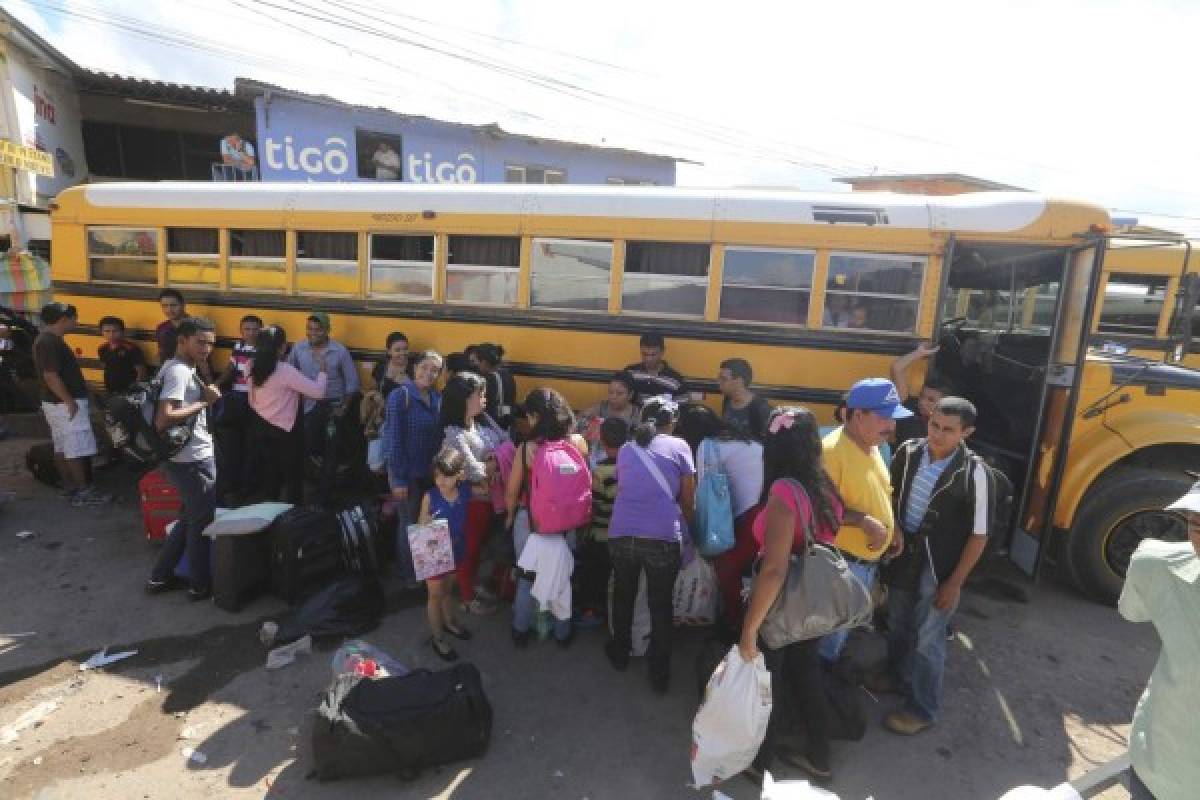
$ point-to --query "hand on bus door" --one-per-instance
(876, 531)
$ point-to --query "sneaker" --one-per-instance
(905, 723)
(617, 656)
(479, 607)
(818, 772)
(196, 595)
(443, 649)
(90, 498)
(159, 587)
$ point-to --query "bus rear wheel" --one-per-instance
(1117, 514)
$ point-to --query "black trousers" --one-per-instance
(320, 444)
(798, 692)
(237, 430)
(631, 556)
(283, 453)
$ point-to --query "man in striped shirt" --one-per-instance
(943, 498)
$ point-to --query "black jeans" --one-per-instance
(236, 430)
(631, 555)
(196, 482)
(798, 689)
(283, 453)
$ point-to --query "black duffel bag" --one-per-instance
(400, 724)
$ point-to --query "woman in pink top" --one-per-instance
(798, 497)
(275, 390)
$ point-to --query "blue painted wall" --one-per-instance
(300, 140)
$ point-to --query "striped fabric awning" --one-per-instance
(25, 283)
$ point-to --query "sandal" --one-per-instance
(443, 649)
(460, 633)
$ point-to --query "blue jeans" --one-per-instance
(196, 482)
(523, 608)
(917, 645)
(831, 645)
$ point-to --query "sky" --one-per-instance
(1090, 100)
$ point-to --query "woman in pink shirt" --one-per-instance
(798, 497)
(275, 391)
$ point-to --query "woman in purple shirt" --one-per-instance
(656, 480)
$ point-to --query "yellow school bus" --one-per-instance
(816, 291)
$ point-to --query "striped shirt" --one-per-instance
(922, 489)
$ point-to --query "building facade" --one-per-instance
(307, 138)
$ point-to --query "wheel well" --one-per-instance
(1160, 457)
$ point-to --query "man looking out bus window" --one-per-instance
(653, 376)
(857, 469)
(315, 354)
(942, 498)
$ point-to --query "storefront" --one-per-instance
(306, 138)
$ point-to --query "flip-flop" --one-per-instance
(446, 654)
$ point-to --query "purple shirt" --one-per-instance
(642, 508)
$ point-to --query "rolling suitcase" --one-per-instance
(241, 568)
(359, 529)
(160, 504)
(306, 552)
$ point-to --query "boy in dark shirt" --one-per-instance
(124, 363)
(593, 564)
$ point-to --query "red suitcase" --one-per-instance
(160, 504)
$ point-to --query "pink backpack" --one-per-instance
(560, 488)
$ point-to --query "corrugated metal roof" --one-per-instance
(107, 83)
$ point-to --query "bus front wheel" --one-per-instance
(1116, 515)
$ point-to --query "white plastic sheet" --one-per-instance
(732, 720)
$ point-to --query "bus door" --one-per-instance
(1048, 459)
(1012, 334)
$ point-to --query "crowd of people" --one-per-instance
(576, 512)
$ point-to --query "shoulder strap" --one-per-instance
(653, 469)
(810, 537)
(711, 455)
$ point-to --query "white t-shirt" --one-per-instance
(742, 463)
(181, 383)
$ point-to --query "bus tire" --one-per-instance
(1122, 509)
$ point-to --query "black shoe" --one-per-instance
(159, 587)
(196, 595)
(460, 633)
(443, 649)
(617, 656)
(565, 643)
(520, 638)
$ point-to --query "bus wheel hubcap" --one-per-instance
(1130, 532)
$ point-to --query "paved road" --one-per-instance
(1038, 691)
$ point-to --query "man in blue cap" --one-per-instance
(854, 464)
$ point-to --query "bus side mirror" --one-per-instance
(1185, 311)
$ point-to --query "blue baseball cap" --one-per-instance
(878, 395)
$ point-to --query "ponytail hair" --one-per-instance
(658, 413)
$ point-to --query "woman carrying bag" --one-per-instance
(656, 480)
(800, 502)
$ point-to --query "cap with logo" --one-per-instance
(878, 395)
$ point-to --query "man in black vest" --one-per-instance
(943, 506)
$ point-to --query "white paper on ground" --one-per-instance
(282, 656)
(103, 659)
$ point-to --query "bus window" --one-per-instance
(127, 255)
(257, 260)
(873, 291)
(483, 270)
(767, 285)
(192, 256)
(1132, 304)
(327, 262)
(665, 278)
(402, 266)
(571, 274)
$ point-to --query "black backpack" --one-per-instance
(129, 420)
(1000, 496)
(400, 724)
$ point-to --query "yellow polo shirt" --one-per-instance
(863, 481)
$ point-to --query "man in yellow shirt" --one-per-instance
(853, 462)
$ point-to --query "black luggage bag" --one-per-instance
(401, 724)
(39, 460)
(241, 568)
(306, 552)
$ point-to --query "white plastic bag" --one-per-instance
(639, 632)
(792, 790)
(696, 594)
(732, 720)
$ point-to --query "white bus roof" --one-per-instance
(978, 212)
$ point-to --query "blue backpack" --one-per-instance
(714, 505)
